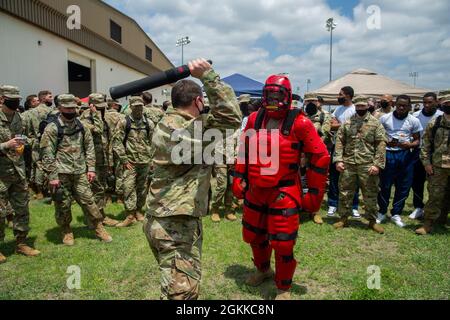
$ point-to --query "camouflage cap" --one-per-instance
(444, 96)
(136, 101)
(311, 97)
(360, 100)
(98, 100)
(10, 92)
(244, 98)
(67, 101)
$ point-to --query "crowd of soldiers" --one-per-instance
(67, 150)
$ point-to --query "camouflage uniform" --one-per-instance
(178, 196)
(360, 144)
(68, 162)
(112, 118)
(439, 182)
(13, 185)
(94, 122)
(136, 150)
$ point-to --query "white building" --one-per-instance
(38, 51)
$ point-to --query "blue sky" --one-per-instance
(260, 37)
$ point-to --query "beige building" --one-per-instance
(80, 47)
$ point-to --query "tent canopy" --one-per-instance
(370, 84)
(244, 85)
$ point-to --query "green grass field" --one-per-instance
(332, 264)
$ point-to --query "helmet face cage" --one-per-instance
(277, 95)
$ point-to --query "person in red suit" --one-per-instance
(267, 178)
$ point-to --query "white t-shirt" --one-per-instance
(402, 130)
(343, 113)
(424, 120)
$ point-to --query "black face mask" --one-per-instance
(49, 104)
(311, 109)
(205, 110)
(12, 104)
(429, 114)
(362, 113)
(69, 115)
(372, 110)
(341, 101)
(446, 109)
(400, 117)
(384, 104)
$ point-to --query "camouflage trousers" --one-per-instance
(76, 186)
(221, 191)
(438, 193)
(118, 172)
(14, 194)
(176, 243)
(99, 186)
(358, 175)
(135, 187)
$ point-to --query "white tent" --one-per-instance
(371, 84)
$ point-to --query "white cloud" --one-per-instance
(414, 36)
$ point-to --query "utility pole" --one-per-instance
(330, 27)
(181, 43)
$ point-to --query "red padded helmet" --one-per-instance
(277, 93)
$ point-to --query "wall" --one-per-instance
(33, 68)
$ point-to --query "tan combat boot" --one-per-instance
(231, 217)
(101, 233)
(68, 238)
(215, 217)
(24, 249)
(129, 220)
(426, 229)
(139, 216)
(317, 218)
(341, 224)
(259, 277)
(110, 222)
(2, 258)
(376, 227)
(283, 295)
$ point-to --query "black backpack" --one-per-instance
(128, 128)
(436, 127)
(51, 117)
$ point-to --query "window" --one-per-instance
(148, 54)
(116, 32)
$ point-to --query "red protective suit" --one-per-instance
(273, 202)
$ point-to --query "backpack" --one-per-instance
(51, 117)
(436, 127)
(128, 128)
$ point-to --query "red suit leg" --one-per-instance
(255, 229)
(283, 225)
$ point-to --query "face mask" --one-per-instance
(311, 109)
(69, 115)
(429, 114)
(49, 104)
(137, 113)
(341, 101)
(372, 109)
(205, 110)
(362, 113)
(12, 104)
(446, 109)
(400, 117)
(384, 104)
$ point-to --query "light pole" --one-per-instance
(414, 75)
(330, 27)
(308, 83)
(181, 43)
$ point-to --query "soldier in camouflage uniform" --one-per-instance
(94, 120)
(34, 119)
(359, 156)
(178, 195)
(68, 157)
(435, 156)
(112, 118)
(132, 144)
(322, 123)
(13, 184)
